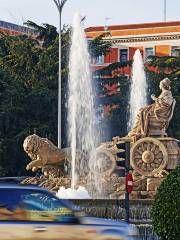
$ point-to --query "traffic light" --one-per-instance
(123, 160)
(123, 154)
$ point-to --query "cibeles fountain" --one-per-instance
(94, 171)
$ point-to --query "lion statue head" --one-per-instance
(42, 152)
(31, 144)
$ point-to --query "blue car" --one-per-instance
(29, 212)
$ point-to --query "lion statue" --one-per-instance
(43, 152)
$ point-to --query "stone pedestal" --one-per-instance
(153, 183)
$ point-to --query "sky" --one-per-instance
(97, 12)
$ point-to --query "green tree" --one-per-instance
(46, 33)
(29, 92)
(99, 46)
(113, 123)
(166, 207)
(29, 75)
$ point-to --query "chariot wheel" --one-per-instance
(105, 161)
(148, 156)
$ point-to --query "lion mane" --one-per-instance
(42, 152)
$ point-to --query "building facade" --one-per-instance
(160, 39)
(14, 29)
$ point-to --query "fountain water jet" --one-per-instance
(81, 114)
(138, 94)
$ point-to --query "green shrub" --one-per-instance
(166, 208)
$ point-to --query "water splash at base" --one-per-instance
(69, 193)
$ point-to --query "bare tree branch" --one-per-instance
(83, 19)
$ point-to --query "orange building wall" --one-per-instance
(162, 50)
(133, 32)
(112, 56)
(128, 31)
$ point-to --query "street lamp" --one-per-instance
(59, 4)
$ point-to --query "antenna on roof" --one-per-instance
(23, 19)
(164, 10)
(106, 25)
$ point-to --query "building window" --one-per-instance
(149, 52)
(98, 60)
(175, 51)
(123, 55)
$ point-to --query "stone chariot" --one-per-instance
(149, 157)
(152, 154)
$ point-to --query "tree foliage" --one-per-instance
(46, 33)
(112, 105)
(111, 67)
(99, 46)
(29, 91)
(166, 207)
(28, 98)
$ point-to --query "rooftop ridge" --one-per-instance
(134, 26)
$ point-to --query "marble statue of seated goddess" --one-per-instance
(154, 119)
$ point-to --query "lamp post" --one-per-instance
(59, 4)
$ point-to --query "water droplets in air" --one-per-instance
(138, 92)
(81, 114)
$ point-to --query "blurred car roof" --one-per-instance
(12, 179)
(14, 185)
(17, 186)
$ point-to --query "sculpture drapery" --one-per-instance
(154, 119)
